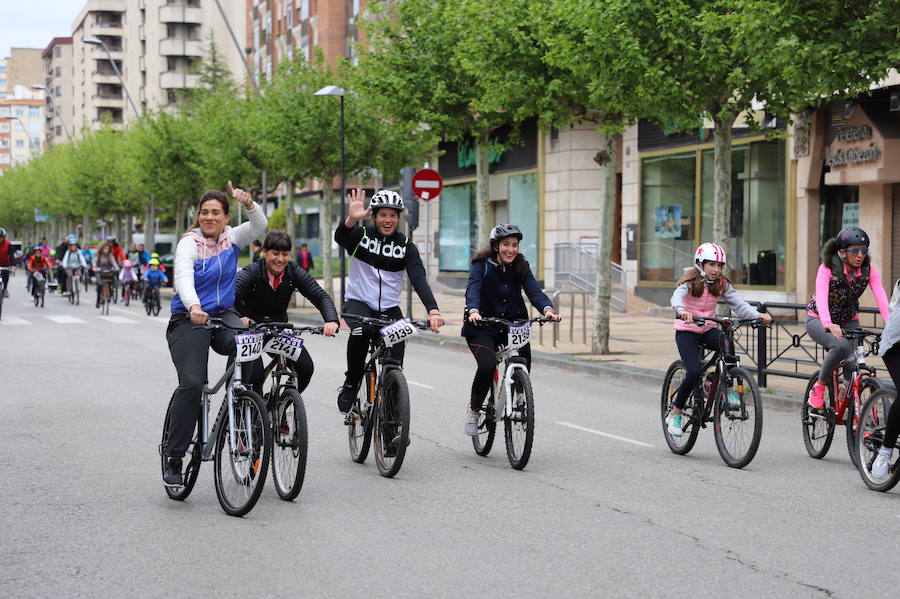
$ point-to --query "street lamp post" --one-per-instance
(334, 90)
(99, 42)
(55, 111)
(27, 134)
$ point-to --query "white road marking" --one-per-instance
(602, 434)
(13, 320)
(63, 319)
(423, 385)
(118, 319)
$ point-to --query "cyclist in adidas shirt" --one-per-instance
(379, 256)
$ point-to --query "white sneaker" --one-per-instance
(471, 423)
(673, 423)
(882, 465)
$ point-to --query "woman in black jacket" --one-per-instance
(263, 290)
(498, 276)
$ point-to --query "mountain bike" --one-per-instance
(2, 288)
(512, 390)
(872, 425)
(726, 395)
(86, 278)
(105, 283)
(240, 440)
(287, 412)
(382, 402)
(38, 288)
(844, 398)
(151, 306)
(74, 285)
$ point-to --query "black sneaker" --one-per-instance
(346, 397)
(172, 476)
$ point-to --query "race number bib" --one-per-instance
(249, 346)
(285, 344)
(519, 335)
(397, 332)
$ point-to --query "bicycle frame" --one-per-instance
(234, 375)
(723, 358)
(503, 391)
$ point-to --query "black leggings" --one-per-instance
(303, 367)
(358, 344)
(689, 347)
(892, 361)
(484, 348)
(189, 347)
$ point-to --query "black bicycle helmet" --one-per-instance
(852, 236)
(2, 232)
(387, 199)
(503, 231)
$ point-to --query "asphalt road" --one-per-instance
(606, 511)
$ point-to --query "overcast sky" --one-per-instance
(33, 23)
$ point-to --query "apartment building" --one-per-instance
(151, 45)
(21, 126)
(58, 87)
(23, 67)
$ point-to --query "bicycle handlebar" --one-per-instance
(285, 326)
(727, 321)
(509, 323)
(383, 322)
(862, 334)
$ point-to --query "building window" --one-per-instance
(523, 211)
(457, 233)
(58, 130)
(3, 68)
(57, 51)
(4, 111)
(676, 213)
(20, 143)
(4, 126)
(172, 96)
(34, 112)
(58, 91)
(20, 112)
(57, 71)
(4, 158)
(3, 82)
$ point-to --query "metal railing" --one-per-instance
(785, 349)
(575, 267)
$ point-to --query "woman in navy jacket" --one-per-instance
(498, 276)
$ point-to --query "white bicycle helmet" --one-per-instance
(387, 199)
(708, 252)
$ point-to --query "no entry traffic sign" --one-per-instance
(427, 184)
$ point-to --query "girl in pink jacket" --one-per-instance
(697, 294)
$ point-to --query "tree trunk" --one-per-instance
(325, 234)
(289, 210)
(722, 185)
(606, 158)
(85, 229)
(150, 225)
(482, 197)
(179, 218)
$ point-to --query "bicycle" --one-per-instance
(105, 282)
(873, 424)
(512, 389)
(843, 400)
(86, 278)
(240, 440)
(38, 288)
(287, 412)
(382, 402)
(74, 292)
(2, 288)
(151, 306)
(726, 395)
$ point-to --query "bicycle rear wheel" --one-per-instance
(289, 444)
(738, 418)
(483, 441)
(156, 303)
(818, 425)
(872, 424)
(391, 423)
(518, 427)
(359, 421)
(193, 466)
(241, 473)
(690, 414)
(867, 387)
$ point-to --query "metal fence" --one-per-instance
(575, 268)
(785, 348)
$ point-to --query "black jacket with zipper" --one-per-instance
(255, 298)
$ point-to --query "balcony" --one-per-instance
(180, 14)
(108, 101)
(180, 47)
(178, 80)
(106, 77)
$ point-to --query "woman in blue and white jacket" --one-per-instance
(205, 268)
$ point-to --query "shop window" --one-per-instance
(667, 216)
(457, 233)
(523, 211)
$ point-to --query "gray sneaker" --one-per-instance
(471, 423)
(882, 465)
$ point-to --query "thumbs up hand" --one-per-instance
(241, 196)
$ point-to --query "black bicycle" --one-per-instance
(2, 287)
(240, 440)
(727, 395)
(382, 402)
(287, 412)
(151, 306)
(38, 288)
(872, 426)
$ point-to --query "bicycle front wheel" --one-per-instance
(738, 418)
(483, 441)
(391, 423)
(358, 421)
(241, 469)
(519, 426)
(193, 466)
(818, 425)
(872, 426)
(690, 414)
(289, 444)
(867, 387)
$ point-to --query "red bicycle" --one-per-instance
(844, 399)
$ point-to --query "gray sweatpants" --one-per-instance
(838, 349)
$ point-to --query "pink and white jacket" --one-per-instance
(705, 306)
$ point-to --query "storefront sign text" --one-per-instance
(853, 156)
(850, 134)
